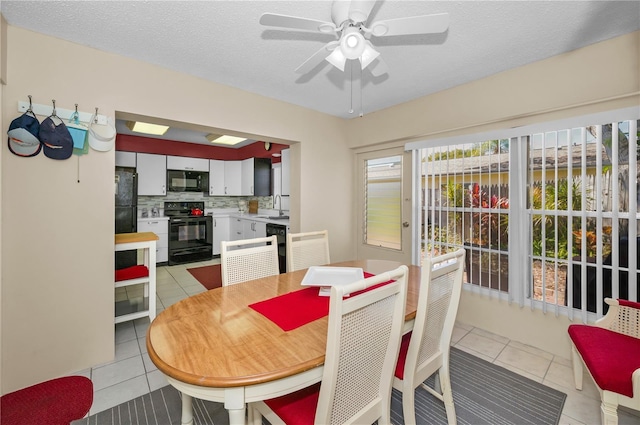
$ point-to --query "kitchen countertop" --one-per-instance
(262, 216)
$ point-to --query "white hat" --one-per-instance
(101, 137)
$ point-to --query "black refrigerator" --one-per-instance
(126, 212)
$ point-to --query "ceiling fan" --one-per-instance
(351, 27)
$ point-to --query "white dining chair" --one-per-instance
(307, 249)
(363, 340)
(248, 259)
(425, 350)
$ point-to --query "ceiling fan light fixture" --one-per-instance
(369, 55)
(337, 58)
(352, 44)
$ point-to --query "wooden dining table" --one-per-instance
(214, 346)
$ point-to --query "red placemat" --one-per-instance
(295, 309)
(292, 310)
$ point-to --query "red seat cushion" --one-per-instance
(55, 402)
(297, 408)
(402, 355)
(628, 303)
(611, 357)
(132, 272)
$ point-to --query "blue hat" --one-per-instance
(23, 136)
(56, 139)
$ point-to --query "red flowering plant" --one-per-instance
(488, 228)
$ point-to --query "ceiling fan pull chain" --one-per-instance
(351, 86)
(361, 111)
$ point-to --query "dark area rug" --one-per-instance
(483, 393)
(209, 276)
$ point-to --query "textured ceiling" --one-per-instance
(222, 41)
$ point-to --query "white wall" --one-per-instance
(57, 234)
(3, 78)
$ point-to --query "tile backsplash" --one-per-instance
(149, 202)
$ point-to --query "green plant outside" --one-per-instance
(490, 229)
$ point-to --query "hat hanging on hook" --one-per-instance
(101, 137)
(24, 134)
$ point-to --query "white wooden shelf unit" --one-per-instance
(145, 241)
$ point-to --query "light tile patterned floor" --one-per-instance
(132, 373)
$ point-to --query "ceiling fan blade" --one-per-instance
(378, 67)
(316, 59)
(360, 9)
(424, 24)
(296, 22)
(339, 11)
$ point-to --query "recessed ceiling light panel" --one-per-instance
(225, 140)
(147, 128)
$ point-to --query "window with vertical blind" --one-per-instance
(467, 205)
(546, 217)
(383, 202)
(583, 212)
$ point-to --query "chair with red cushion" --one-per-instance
(610, 350)
(363, 339)
(425, 350)
(55, 402)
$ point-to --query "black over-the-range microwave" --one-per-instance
(187, 181)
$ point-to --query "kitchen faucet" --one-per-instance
(280, 213)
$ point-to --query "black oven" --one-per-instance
(281, 232)
(190, 236)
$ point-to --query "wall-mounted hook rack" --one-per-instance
(45, 111)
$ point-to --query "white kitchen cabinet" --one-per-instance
(125, 159)
(276, 177)
(256, 177)
(159, 226)
(187, 164)
(233, 178)
(286, 172)
(152, 174)
(216, 177)
(254, 229)
(236, 228)
(221, 232)
(247, 177)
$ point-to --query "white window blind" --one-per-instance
(573, 195)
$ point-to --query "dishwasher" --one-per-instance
(280, 231)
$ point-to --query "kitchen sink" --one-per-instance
(278, 217)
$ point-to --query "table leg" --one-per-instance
(187, 409)
(237, 417)
(235, 404)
